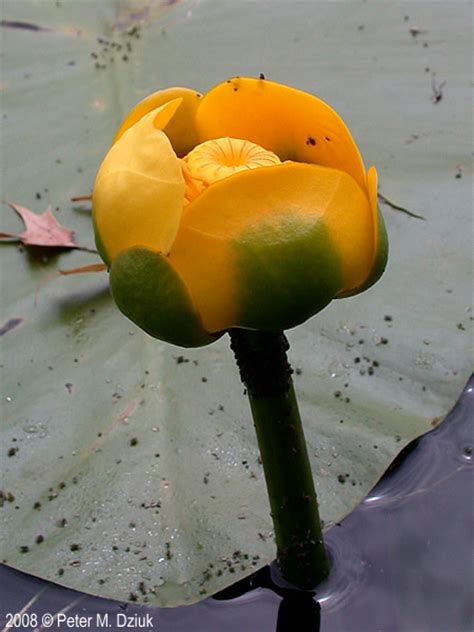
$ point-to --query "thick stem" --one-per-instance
(264, 369)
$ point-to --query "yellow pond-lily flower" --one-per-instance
(247, 207)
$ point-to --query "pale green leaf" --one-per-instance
(134, 461)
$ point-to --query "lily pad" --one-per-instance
(129, 467)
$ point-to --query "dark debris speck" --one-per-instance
(181, 359)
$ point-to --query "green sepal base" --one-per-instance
(149, 292)
(287, 278)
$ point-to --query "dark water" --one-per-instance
(401, 562)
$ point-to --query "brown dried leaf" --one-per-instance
(42, 229)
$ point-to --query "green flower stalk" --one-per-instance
(264, 369)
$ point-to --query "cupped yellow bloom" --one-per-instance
(247, 207)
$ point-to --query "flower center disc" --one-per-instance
(222, 157)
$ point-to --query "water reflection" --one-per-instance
(299, 613)
(298, 609)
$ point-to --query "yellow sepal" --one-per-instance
(139, 189)
(291, 123)
(207, 253)
(181, 129)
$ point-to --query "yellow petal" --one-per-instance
(279, 204)
(139, 189)
(291, 123)
(181, 129)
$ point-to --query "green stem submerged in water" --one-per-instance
(264, 370)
